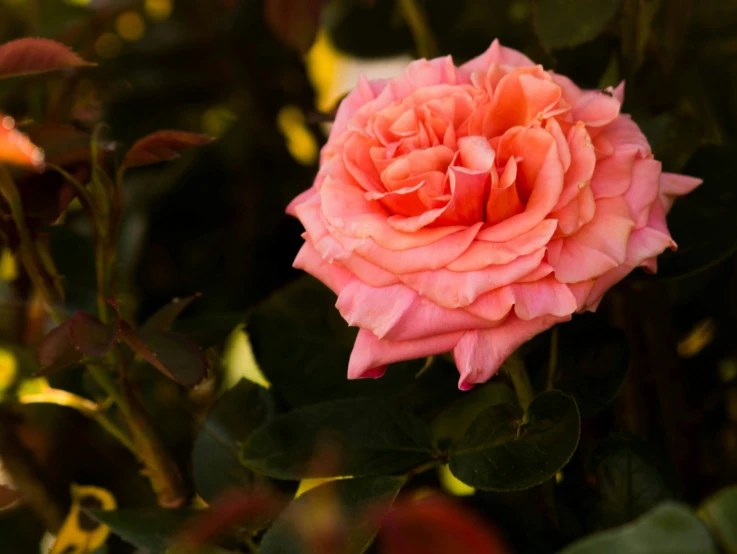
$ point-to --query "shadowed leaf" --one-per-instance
(501, 452)
(236, 414)
(671, 528)
(175, 355)
(165, 316)
(358, 437)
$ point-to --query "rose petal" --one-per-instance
(598, 246)
(496, 54)
(346, 209)
(397, 313)
(673, 185)
(335, 277)
(545, 180)
(453, 289)
(480, 353)
(482, 253)
(371, 355)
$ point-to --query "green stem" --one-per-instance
(83, 406)
(162, 472)
(515, 368)
(417, 21)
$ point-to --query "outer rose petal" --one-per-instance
(335, 277)
(598, 246)
(398, 313)
(673, 185)
(371, 355)
(496, 54)
(365, 92)
(479, 354)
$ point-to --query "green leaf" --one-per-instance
(630, 478)
(302, 345)
(166, 315)
(501, 453)
(209, 329)
(567, 23)
(720, 513)
(671, 528)
(229, 423)
(593, 359)
(149, 528)
(453, 422)
(357, 437)
(358, 503)
(703, 223)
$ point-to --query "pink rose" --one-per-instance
(470, 208)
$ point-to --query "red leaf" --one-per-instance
(92, 337)
(15, 147)
(173, 354)
(437, 525)
(82, 335)
(56, 351)
(294, 21)
(162, 146)
(27, 56)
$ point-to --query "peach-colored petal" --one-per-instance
(644, 190)
(624, 134)
(397, 313)
(482, 253)
(466, 206)
(613, 174)
(476, 153)
(540, 272)
(541, 95)
(673, 185)
(598, 246)
(596, 108)
(547, 296)
(358, 164)
(496, 54)
(346, 209)
(581, 167)
(371, 355)
(365, 92)
(424, 258)
(564, 152)
(453, 289)
(335, 277)
(480, 353)
(544, 174)
(581, 292)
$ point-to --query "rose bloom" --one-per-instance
(468, 209)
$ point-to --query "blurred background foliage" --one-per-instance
(262, 76)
